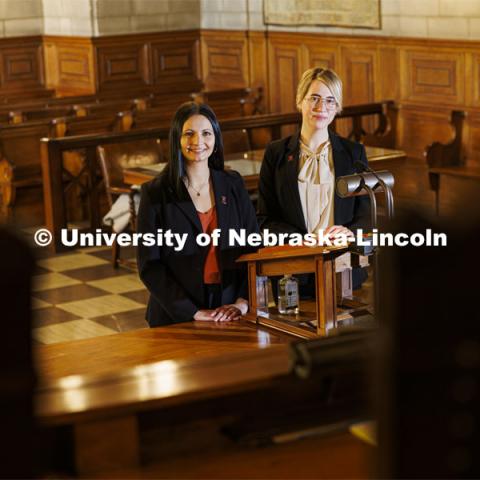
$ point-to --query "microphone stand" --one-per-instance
(386, 188)
(368, 183)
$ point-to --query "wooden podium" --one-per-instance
(295, 260)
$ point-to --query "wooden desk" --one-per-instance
(123, 410)
(189, 340)
(248, 164)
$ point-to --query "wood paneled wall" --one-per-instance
(70, 65)
(427, 78)
(122, 64)
(21, 67)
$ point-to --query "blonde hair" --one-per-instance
(325, 75)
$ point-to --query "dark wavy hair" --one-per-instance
(175, 169)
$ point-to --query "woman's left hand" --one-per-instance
(233, 311)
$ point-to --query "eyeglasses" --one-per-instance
(317, 100)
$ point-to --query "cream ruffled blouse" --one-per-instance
(316, 180)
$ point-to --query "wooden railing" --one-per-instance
(52, 150)
(24, 127)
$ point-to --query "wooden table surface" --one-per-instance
(248, 164)
(159, 365)
(111, 353)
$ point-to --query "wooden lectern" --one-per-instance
(295, 260)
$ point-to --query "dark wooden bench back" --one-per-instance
(451, 153)
(446, 158)
(52, 150)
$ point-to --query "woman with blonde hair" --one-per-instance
(297, 179)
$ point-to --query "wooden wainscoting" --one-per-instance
(176, 62)
(21, 68)
(427, 78)
(121, 64)
(258, 67)
(69, 65)
(225, 59)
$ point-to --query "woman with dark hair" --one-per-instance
(193, 195)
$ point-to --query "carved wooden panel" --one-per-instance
(224, 60)
(286, 67)
(74, 65)
(22, 67)
(318, 56)
(123, 65)
(358, 75)
(69, 65)
(473, 79)
(258, 64)
(433, 76)
(176, 64)
(388, 77)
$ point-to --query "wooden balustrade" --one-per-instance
(20, 166)
(53, 170)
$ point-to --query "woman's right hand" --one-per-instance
(204, 316)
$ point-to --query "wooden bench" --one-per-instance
(449, 158)
(52, 149)
(58, 120)
(20, 150)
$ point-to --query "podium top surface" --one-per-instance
(289, 251)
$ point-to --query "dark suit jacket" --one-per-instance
(175, 279)
(279, 205)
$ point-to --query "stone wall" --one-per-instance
(403, 18)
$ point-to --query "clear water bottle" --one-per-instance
(288, 296)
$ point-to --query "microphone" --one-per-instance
(358, 183)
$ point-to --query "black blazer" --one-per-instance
(279, 205)
(175, 279)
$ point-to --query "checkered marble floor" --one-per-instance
(79, 295)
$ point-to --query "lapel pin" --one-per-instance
(224, 200)
(290, 158)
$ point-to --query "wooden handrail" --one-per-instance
(251, 122)
(52, 148)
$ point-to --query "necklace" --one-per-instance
(201, 186)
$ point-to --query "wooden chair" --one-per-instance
(113, 159)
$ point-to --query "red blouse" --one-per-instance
(211, 271)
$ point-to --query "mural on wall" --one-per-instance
(337, 13)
